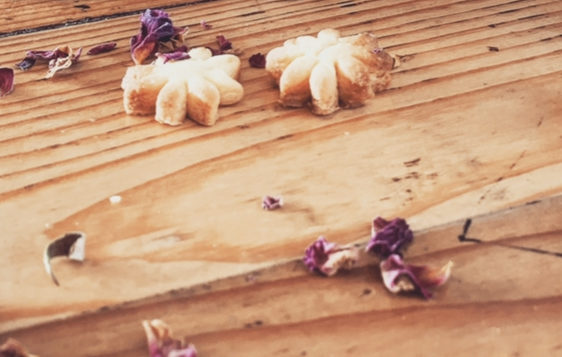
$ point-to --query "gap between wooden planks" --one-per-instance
(496, 296)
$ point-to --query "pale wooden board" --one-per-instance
(484, 124)
(36, 15)
(499, 301)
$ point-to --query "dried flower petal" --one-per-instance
(161, 343)
(399, 276)
(257, 60)
(179, 54)
(71, 245)
(61, 63)
(156, 28)
(327, 258)
(103, 48)
(223, 43)
(32, 56)
(205, 25)
(389, 237)
(271, 203)
(6, 81)
(14, 348)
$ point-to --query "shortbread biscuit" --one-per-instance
(192, 88)
(328, 71)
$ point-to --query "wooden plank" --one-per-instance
(490, 303)
(30, 16)
(483, 124)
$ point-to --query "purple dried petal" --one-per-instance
(257, 60)
(161, 343)
(26, 63)
(223, 43)
(389, 237)
(205, 25)
(156, 26)
(399, 276)
(32, 56)
(103, 48)
(14, 348)
(6, 81)
(327, 258)
(271, 203)
(179, 54)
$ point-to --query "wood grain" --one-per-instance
(37, 15)
(497, 295)
(484, 125)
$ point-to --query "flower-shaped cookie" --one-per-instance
(329, 71)
(193, 87)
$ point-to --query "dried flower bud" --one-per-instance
(389, 237)
(327, 258)
(6, 81)
(399, 276)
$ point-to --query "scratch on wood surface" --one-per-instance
(463, 238)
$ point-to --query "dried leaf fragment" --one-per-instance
(6, 81)
(71, 245)
(161, 343)
(328, 258)
(399, 276)
(14, 348)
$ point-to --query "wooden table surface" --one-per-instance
(471, 126)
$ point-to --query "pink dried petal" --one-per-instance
(327, 258)
(179, 54)
(161, 343)
(103, 48)
(205, 25)
(14, 348)
(271, 203)
(31, 57)
(223, 43)
(389, 237)
(399, 276)
(257, 60)
(6, 81)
